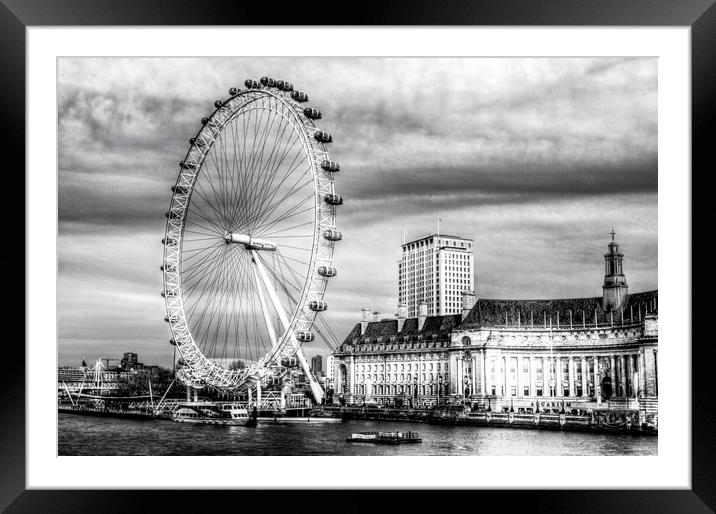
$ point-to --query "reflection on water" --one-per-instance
(82, 435)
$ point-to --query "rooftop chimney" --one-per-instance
(468, 302)
(402, 314)
(422, 314)
(376, 316)
(365, 319)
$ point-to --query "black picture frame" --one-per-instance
(700, 15)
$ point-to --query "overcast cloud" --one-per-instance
(535, 159)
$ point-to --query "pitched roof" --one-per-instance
(492, 312)
(489, 312)
(441, 326)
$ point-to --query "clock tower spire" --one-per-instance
(615, 286)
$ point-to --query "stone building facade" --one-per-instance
(521, 355)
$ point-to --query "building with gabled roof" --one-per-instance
(558, 355)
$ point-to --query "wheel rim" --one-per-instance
(252, 179)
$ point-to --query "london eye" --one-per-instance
(249, 238)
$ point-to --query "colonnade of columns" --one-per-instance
(578, 375)
(555, 375)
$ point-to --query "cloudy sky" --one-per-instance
(534, 159)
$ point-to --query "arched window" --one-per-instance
(466, 341)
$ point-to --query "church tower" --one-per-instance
(615, 285)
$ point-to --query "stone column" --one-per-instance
(597, 385)
(558, 372)
(642, 371)
(463, 369)
(630, 376)
(464, 372)
(570, 368)
(520, 378)
(585, 377)
(351, 376)
(546, 375)
(474, 384)
(458, 375)
(505, 372)
(484, 370)
(453, 387)
(625, 376)
(613, 375)
(533, 388)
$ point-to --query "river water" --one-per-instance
(85, 435)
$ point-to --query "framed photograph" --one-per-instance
(420, 252)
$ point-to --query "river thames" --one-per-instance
(85, 435)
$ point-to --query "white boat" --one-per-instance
(385, 437)
(298, 419)
(209, 413)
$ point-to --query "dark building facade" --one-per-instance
(317, 365)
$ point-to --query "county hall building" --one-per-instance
(526, 355)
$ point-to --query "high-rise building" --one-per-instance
(436, 270)
(317, 365)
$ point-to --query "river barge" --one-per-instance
(385, 437)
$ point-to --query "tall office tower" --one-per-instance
(435, 269)
(317, 365)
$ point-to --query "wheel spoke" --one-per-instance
(252, 206)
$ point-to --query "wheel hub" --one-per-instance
(251, 243)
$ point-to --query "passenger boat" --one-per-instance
(385, 437)
(210, 413)
(299, 419)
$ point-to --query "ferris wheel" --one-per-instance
(249, 238)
